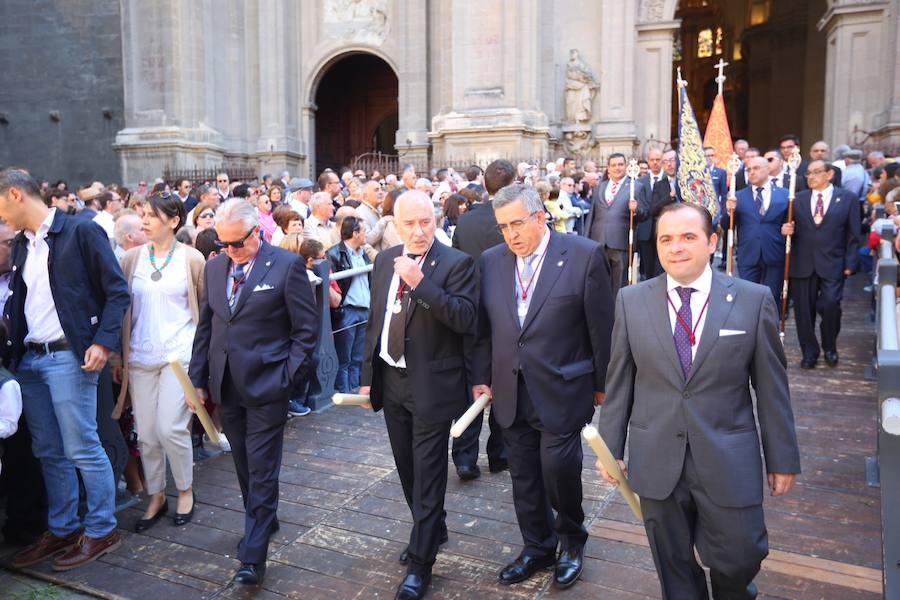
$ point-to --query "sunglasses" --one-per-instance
(236, 245)
(207, 215)
(771, 159)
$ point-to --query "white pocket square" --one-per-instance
(727, 332)
(263, 287)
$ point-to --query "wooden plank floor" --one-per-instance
(344, 520)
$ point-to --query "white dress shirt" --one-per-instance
(827, 193)
(609, 186)
(388, 315)
(536, 265)
(702, 286)
(40, 309)
(766, 194)
(106, 221)
(653, 179)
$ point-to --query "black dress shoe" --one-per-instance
(404, 556)
(250, 574)
(498, 465)
(413, 587)
(568, 567)
(524, 567)
(185, 518)
(807, 363)
(467, 473)
(831, 358)
(145, 524)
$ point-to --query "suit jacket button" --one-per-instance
(686, 395)
(680, 434)
(521, 344)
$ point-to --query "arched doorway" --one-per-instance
(357, 110)
(775, 77)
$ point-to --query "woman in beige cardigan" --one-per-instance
(165, 279)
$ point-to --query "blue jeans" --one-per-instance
(348, 344)
(60, 404)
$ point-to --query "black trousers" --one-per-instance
(817, 295)
(420, 453)
(22, 482)
(649, 261)
(465, 447)
(256, 434)
(546, 473)
(732, 542)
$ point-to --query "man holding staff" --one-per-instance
(424, 298)
(686, 348)
(545, 319)
(759, 211)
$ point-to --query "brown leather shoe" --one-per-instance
(87, 550)
(47, 546)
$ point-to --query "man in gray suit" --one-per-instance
(607, 222)
(701, 339)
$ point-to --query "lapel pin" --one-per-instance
(729, 298)
(559, 264)
(268, 263)
(432, 263)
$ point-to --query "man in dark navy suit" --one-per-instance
(664, 192)
(820, 151)
(824, 251)
(759, 212)
(742, 178)
(644, 237)
(544, 327)
(257, 330)
(786, 146)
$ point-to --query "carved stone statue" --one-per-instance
(581, 87)
(578, 143)
(363, 21)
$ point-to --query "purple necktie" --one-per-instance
(682, 334)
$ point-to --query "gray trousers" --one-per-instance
(732, 542)
(618, 265)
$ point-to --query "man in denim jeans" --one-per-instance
(349, 318)
(67, 301)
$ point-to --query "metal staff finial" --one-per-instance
(633, 169)
(734, 163)
(720, 79)
(681, 82)
(794, 159)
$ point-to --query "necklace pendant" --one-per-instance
(817, 219)
(523, 310)
(397, 307)
(156, 275)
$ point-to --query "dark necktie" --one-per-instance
(237, 282)
(397, 327)
(682, 334)
(775, 182)
(758, 200)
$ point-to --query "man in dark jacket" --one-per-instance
(67, 301)
(348, 320)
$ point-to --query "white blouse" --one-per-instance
(161, 322)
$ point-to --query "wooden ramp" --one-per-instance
(344, 520)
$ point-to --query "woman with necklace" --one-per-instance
(165, 279)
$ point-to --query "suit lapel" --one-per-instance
(508, 285)
(716, 313)
(657, 310)
(432, 259)
(218, 282)
(553, 264)
(381, 285)
(261, 266)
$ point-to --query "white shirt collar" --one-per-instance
(541, 247)
(43, 228)
(406, 250)
(701, 284)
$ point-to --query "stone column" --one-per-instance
(616, 130)
(412, 30)
(490, 107)
(165, 83)
(858, 68)
(653, 81)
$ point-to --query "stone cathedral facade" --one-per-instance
(302, 84)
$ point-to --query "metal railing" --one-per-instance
(888, 368)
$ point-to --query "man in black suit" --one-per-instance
(824, 251)
(664, 192)
(778, 170)
(786, 146)
(257, 330)
(476, 232)
(644, 234)
(820, 151)
(424, 298)
(544, 326)
(742, 179)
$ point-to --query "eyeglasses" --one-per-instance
(236, 245)
(207, 215)
(771, 159)
(816, 172)
(514, 226)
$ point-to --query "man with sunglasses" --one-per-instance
(255, 337)
(222, 187)
(786, 146)
(544, 328)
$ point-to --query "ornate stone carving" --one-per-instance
(651, 10)
(363, 21)
(578, 141)
(581, 87)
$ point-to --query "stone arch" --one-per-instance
(330, 58)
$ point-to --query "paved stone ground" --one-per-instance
(344, 521)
